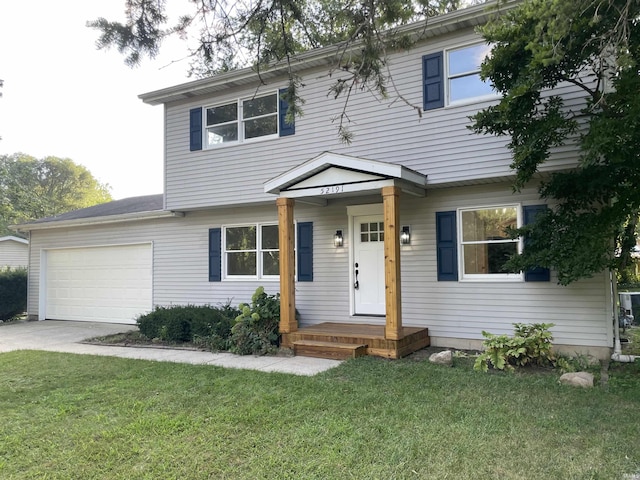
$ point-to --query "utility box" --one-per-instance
(630, 303)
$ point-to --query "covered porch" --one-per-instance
(318, 181)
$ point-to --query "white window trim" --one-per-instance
(466, 101)
(488, 277)
(240, 122)
(259, 265)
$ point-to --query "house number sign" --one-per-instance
(331, 189)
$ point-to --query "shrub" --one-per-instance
(13, 292)
(256, 328)
(184, 323)
(531, 345)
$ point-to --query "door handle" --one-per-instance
(356, 284)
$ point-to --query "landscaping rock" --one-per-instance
(577, 379)
(442, 358)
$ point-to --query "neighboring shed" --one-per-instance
(14, 252)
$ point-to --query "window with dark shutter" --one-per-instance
(195, 129)
(433, 81)
(285, 128)
(305, 251)
(446, 245)
(215, 254)
(538, 274)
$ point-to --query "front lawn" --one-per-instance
(65, 416)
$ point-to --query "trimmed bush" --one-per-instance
(13, 292)
(185, 323)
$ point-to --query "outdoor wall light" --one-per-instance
(405, 235)
(338, 239)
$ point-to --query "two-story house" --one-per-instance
(388, 243)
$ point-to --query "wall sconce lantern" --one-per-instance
(405, 235)
(338, 239)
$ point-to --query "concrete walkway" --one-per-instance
(57, 336)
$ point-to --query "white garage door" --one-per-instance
(101, 284)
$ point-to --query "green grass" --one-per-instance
(64, 416)
(632, 334)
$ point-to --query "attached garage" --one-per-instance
(98, 284)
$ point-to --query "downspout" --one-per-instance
(617, 355)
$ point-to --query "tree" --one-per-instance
(233, 34)
(593, 45)
(32, 188)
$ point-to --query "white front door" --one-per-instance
(368, 266)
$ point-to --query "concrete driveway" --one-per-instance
(66, 336)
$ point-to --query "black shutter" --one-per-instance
(305, 251)
(433, 81)
(195, 129)
(285, 128)
(215, 254)
(538, 274)
(446, 245)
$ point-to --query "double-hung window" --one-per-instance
(251, 251)
(463, 73)
(243, 120)
(485, 244)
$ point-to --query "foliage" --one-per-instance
(91, 417)
(32, 188)
(241, 34)
(256, 328)
(208, 325)
(13, 292)
(594, 46)
(530, 345)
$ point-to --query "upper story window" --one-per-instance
(251, 251)
(243, 120)
(248, 119)
(454, 75)
(463, 73)
(485, 244)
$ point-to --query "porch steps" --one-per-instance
(332, 350)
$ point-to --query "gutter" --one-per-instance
(82, 222)
(439, 25)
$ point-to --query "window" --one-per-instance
(463, 73)
(251, 251)
(485, 245)
(242, 120)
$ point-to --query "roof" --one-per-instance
(14, 239)
(457, 20)
(317, 177)
(127, 209)
(117, 207)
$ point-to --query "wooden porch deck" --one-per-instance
(345, 340)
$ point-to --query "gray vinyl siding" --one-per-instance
(451, 310)
(438, 144)
(13, 254)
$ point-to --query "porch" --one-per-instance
(349, 340)
(375, 247)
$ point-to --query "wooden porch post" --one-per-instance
(393, 298)
(286, 237)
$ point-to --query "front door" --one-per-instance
(368, 266)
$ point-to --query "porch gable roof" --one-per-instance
(336, 175)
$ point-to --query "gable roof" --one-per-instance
(464, 18)
(350, 175)
(14, 239)
(127, 209)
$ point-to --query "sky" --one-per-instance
(64, 97)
